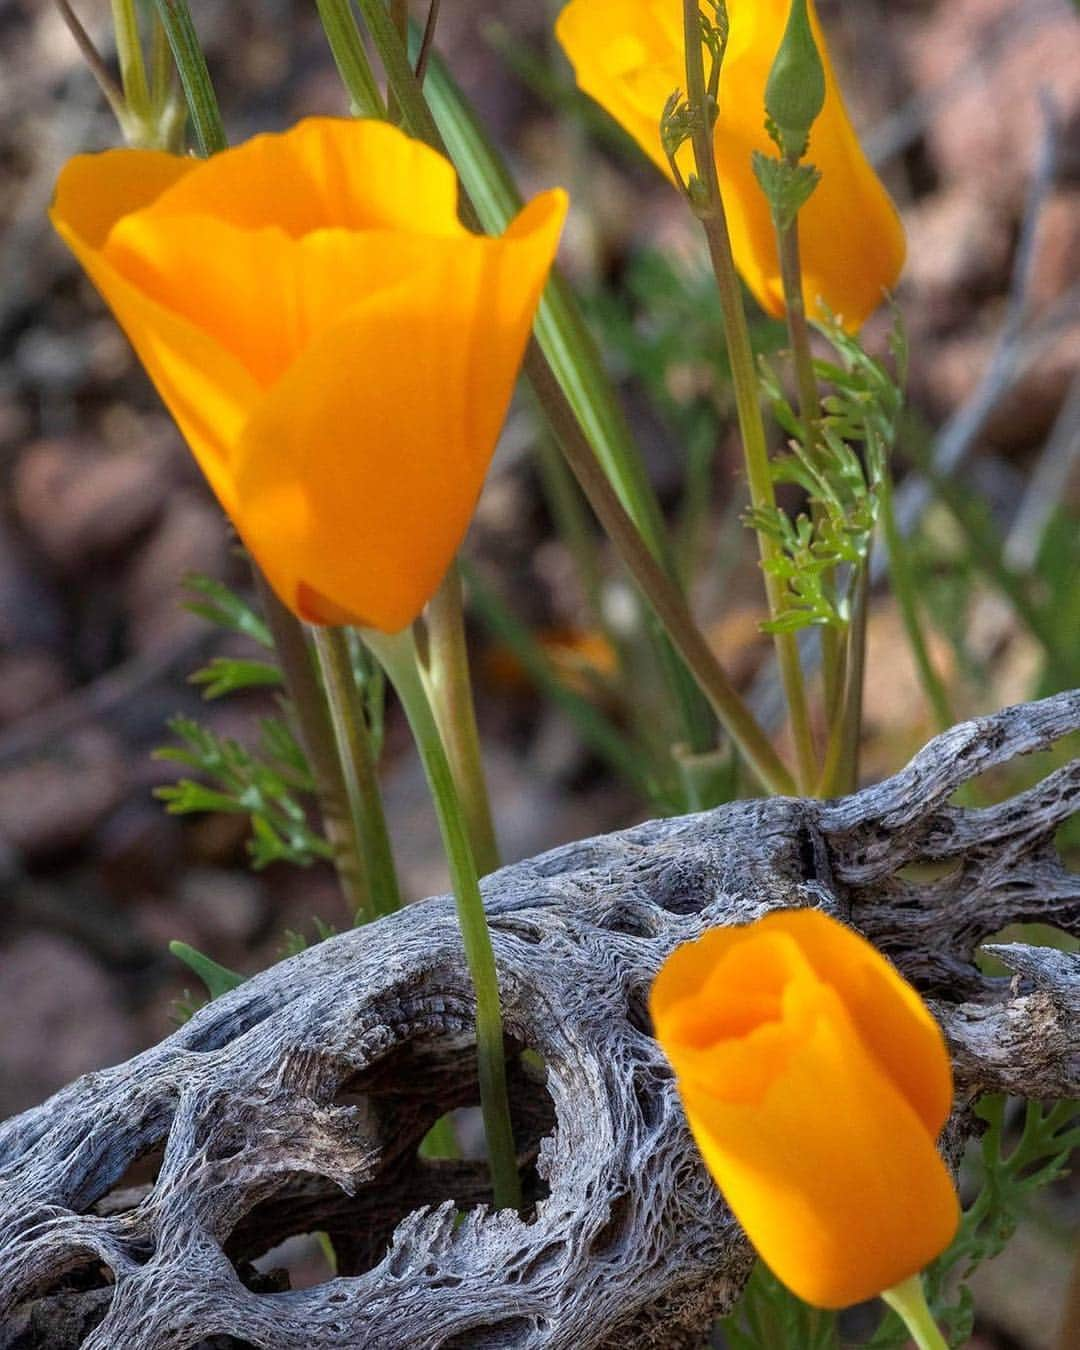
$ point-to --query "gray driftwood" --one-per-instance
(297, 1102)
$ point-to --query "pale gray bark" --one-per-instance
(297, 1102)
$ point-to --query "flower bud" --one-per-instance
(795, 91)
(815, 1082)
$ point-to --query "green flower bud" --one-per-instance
(795, 92)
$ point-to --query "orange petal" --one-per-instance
(260, 293)
(359, 472)
(832, 1174)
(93, 192)
(324, 172)
(206, 389)
(895, 1025)
(628, 56)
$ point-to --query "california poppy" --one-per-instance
(337, 349)
(815, 1082)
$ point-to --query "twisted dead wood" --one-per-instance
(297, 1102)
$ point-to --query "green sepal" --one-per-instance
(787, 186)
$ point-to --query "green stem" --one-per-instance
(351, 58)
(316, 737)
(659, 590)
(810, 413)
(169, 110)
(114, 95)
(399, 17)
(194, 76)
(709, 207)
(398, 656)
(904, 587)
(841, 768)
(560, 329)
(427, 42)
(129, 54)
(908, 1300)
(450, 689)
(369, 837)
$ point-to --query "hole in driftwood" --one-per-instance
(134, 1185)
(392, 1104)
(213, 1027)
(615, 1230)
(62, 1312)
(300, 1262)
(1032, 935)
(502, 1335)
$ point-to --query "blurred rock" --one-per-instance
(139, 849)
(1027, 408)
(62, 1018)
(49, 805)
(225, 908)
(1057, 258)
(29, 680)
(31, 612)
(964, 49)
(193, 537)
(76, 501)
(958, 254)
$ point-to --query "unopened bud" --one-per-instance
(795, 92)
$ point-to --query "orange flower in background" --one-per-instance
(629, 56)
(815, 1082)
(337, 349)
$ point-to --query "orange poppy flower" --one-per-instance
(337, 349)
(629, 56)
(815, 1082)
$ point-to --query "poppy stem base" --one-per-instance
(908, 1300)
(399, 658)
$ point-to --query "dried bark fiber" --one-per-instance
(297, 1102)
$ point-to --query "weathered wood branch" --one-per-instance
(297, 1102)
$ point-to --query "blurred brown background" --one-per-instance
(102, 512)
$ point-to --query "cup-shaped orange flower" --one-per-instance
(815, 1082)
(337, 349)
(629, 56)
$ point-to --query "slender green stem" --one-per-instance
(308, 704)
(427, 42)
(659, 590)
(856, 680)
(450, 691)
(810, 413)
(559, 327)
(114, 95)
(798, 328)
(162, 70)
(370, 838)
(709, 207)
(908, 1300)
(398, 656)
(129, 52)
(841, 768)
(399, 17)
(903, 587)
(351, 58)
(194, 76)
